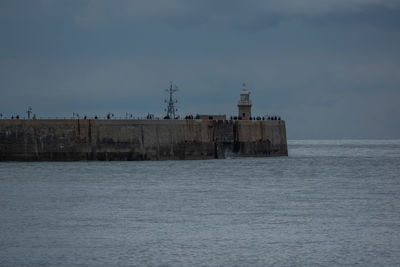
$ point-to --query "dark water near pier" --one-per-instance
(330, 203)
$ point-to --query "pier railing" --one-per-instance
(255, 118)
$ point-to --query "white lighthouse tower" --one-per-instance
(244, 104)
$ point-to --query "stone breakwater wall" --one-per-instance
(72, 140)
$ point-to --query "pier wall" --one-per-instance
(72, 140)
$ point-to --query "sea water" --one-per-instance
(330, 203)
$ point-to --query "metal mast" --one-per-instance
(171, 108)
(29, 111)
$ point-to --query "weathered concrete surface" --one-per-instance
(71, 140)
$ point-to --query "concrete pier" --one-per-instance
(73, 140)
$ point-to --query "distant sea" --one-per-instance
(330, 203)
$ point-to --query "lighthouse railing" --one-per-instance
(247, 102)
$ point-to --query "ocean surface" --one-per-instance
(330, 203)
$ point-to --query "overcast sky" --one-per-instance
(330, 68)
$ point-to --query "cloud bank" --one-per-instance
(330, 68)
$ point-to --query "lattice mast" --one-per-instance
(29, 112)
(171, 102)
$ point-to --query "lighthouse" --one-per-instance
(244, 104)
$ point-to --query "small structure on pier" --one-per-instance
(218, 117)
(244, 104)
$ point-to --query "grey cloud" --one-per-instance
(243, 14)
(208, 14)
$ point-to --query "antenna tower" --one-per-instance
(171, 108)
